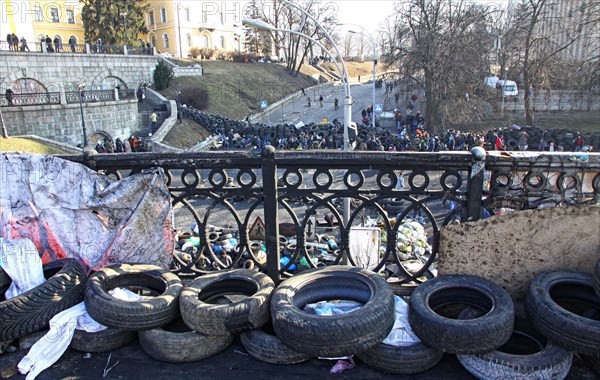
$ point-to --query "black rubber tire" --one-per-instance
(597, 279)
(101, 341)
(176, 343)
(543, 302)
(31, 311)
(5, 282)
(534, 357)
(404, 360)
(549, 361)
(144, 314)
(339, 335)
(472, 336)
(245, 314)
(264, 345)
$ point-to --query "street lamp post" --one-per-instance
(260, 25)
(367, 34)
(124, 15)
(257, 24)
(81, 88)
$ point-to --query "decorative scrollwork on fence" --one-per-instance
(90, 96)
(285, 212)
(32, 99)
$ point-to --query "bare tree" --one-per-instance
(440, 44)
(296, 48)
(348, 45)
(542, 34)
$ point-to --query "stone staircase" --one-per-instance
(151, 103)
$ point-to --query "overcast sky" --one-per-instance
(366, 13)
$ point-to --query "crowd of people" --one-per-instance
(132, 144)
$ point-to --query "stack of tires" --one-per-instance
(31, 311)
(474, 318)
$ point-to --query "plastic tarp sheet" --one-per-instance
(69, 210)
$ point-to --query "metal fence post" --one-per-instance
(475, 185)
(269, 174)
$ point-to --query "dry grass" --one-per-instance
(186, 134)
(13, 144)
(235, 89)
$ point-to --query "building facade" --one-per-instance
(566, 19)
(36, 19)
(175, 27)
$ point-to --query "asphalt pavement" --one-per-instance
(130, 362)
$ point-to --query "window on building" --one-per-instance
(153, 41)
(222, 42)
(70, 16)
(163, 14)
(186, 14)
(166, 39)
(38, 13)
(205, 41)
(54, 15)
(188, 37)
(151, 17)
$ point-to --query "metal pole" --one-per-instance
(4, 131)
(85, 141)
(179, 31)
(124, 14)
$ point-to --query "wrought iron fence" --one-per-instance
(43, 47)
(31, 99)
(90, 96)
(107, 49)
(285, 211)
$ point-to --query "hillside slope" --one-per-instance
(236, 89)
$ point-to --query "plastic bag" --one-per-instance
(21, 262)
(51, 346)
(401, 334)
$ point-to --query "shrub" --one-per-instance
(162, 75)
(193, 95)
(207, 53)
(195, 52)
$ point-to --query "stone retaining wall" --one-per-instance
(62, 70)
(62, 123)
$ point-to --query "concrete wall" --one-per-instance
(511, 249)
(63, 70)
(62, 123)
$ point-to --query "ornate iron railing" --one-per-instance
(90, 96)
(299, 197)
(31, 99)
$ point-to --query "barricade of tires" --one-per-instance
(31, 311)
(469, 316)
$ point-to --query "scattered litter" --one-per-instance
(87, 355)
(240, 352)
(342, 365)
(106, 368)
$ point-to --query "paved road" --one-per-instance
(131, 362)
(294, 112)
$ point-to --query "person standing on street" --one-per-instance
(153, 118)
(523, 139)
(336, 104)
(321, 100)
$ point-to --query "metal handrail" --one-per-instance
(90, 96)
(31, 99)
